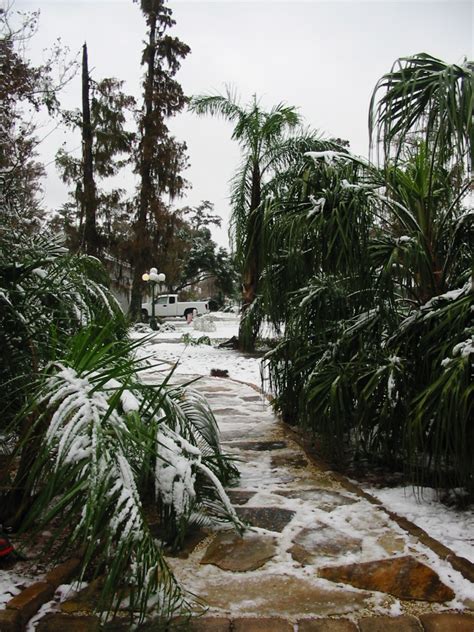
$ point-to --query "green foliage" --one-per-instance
(96, 450)
(113, 446)
(189, 340)
(199, 258)
(24, 90)
(46, 296)
(367, 271)
(160, 158)
(427, 98)
(112, 146)
(272, 143)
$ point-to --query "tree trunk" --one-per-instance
(90, 238)
(248, 328)
(142, 250)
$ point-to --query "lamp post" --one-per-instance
(153, 278)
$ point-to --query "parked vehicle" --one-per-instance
(168, 305)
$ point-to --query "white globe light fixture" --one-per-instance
(153, 278)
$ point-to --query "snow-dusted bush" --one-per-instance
(141, 328)
(93, 443)
(46, 295)
(164, 328)
(369, 270)
(111, 442)
(204, 323)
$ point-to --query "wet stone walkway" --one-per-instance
(317, 557)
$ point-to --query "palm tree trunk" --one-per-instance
(249, 326)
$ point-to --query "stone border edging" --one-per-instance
(460, 564)
(19, 610)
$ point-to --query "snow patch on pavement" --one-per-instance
(454, 529)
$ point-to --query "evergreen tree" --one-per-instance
(201, 258)
(95, 219)
(90, 237)
(160, 157)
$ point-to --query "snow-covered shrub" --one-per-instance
(88, 435)
(368, 271)
(164, 328)
(141, 328)
(187, 339)
(113, 444)
(204, 323)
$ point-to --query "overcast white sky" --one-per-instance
(323, 57)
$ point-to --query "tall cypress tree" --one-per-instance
(89, 237)
(160, 157)
(106, 148)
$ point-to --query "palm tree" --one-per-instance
(427, 95)
(424, 97)
(266, 147)
(377, 347)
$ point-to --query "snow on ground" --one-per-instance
(12, 582)
(227, 325)
(455, 529)
(200, 359)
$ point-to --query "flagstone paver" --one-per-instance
(279, 595)
(322, 519)
(324, 499)
(270, 518)
(403, 577)
(267, 624)
(292, 459)
(233, 552)
(200, 624)
(447, 622)
(259, 446)
(240, 496)
(322, 540)
(57, 621)
(391, 543)
(390, 624)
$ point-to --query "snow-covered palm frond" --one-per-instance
(110, 445)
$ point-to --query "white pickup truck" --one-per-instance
(168, 305)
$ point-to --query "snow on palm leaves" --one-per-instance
(115, 442)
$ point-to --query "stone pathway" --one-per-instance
(316, 558)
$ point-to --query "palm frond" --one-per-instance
(109, 443)
(424, 94)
